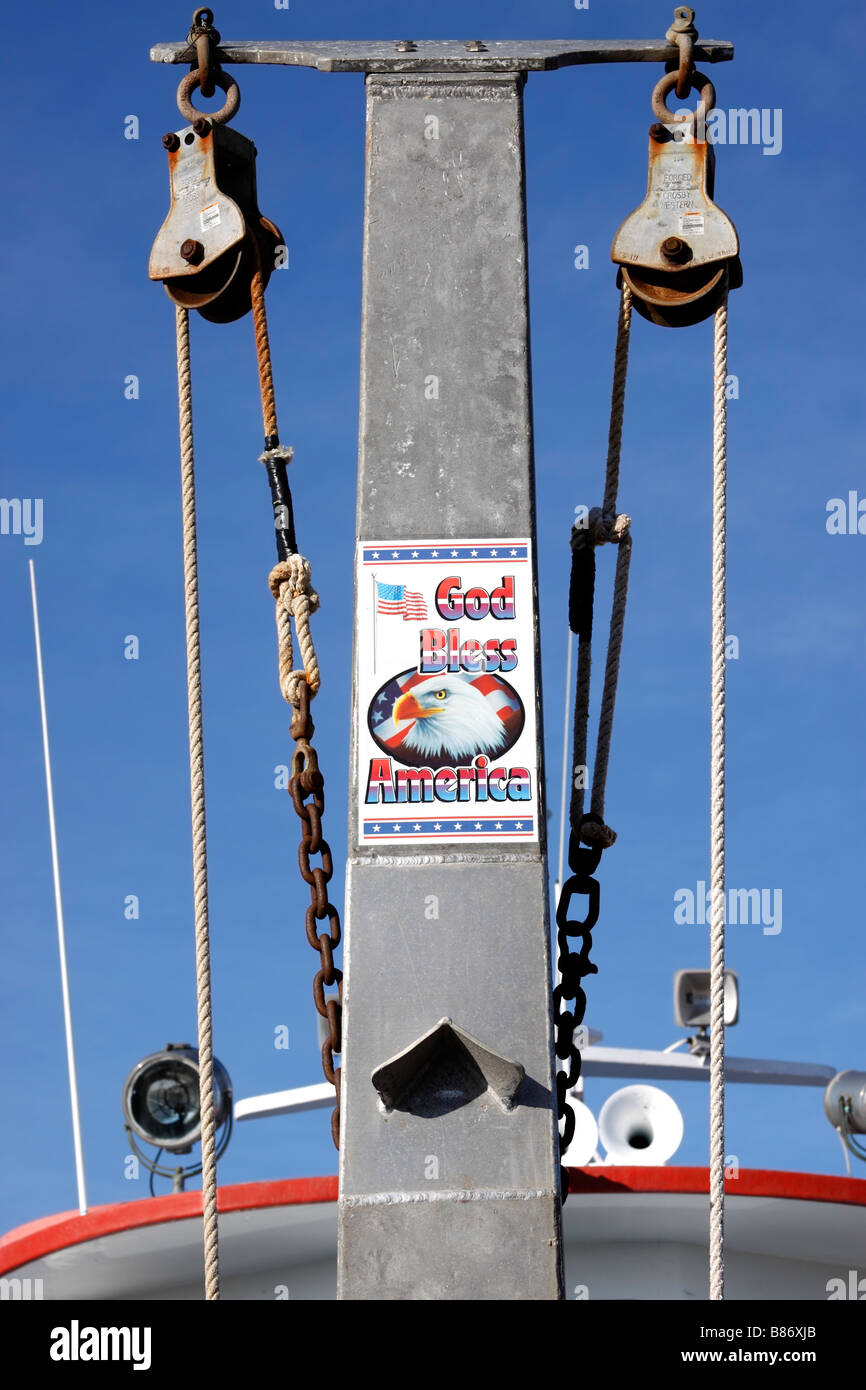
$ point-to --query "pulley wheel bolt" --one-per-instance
(192, 251)
(171, 141)
(201, 126)
(658, 131)
(673, 249)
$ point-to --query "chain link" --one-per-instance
(307, 790)
(573, 967)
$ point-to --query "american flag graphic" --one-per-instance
(501, 697)
(396, 598)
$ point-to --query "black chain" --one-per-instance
(307, 790)
(575, 966)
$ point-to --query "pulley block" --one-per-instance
(678, 252)
(214, 236)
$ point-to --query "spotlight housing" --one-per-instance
(845, 1101)
(161, 1098)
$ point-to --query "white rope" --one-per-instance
(199, 830)
(717, 812)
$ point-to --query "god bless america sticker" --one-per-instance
(446, 692)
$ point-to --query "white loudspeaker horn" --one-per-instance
(640, 1124)
(585, 1141)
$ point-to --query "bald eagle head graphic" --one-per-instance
(452, 720)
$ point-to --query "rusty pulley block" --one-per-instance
(679, 253)
(214, 236)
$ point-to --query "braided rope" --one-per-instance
(197, 797)
(263, 343)
(717, 812)
(290, 581)
(617, 402)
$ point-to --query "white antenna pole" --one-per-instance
(564, 763)
(61, 937)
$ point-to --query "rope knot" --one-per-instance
(595, 832)
(600, 529)
(290, 583)
(289, 580)
(607, 529)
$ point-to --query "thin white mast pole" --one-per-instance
(375, 610)
(564, 763)
(58, 902)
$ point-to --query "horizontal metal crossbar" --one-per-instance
(447, 55)
(605, 1062)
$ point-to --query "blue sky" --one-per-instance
(84, 207)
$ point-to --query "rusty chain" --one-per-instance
(307, 783)
(307, 790)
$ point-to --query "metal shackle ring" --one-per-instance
(686, 45)
(699, 83)
(225, 82)
(683, 33)
(203, 50)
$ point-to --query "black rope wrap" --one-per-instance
(281, 497)
(581, 593)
